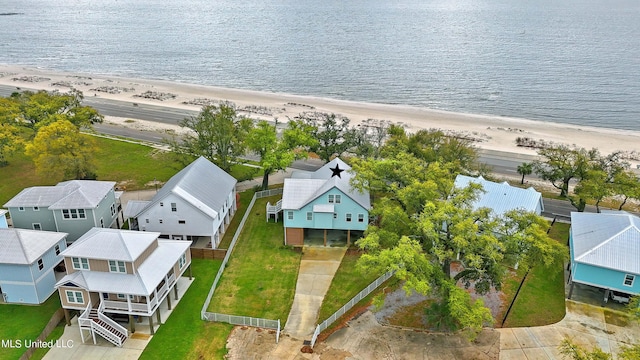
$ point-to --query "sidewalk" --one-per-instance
(317, 268)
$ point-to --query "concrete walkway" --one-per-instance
(584, 324)
(132, 347)
(317, 268)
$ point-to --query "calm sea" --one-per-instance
(574, 61)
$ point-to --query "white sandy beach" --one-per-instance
(492, 132)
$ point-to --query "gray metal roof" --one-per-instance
(111, 244)
(74, 194)
(609, 239)
(202, 184)
(20, 246)
(502, 197)
(300, 191)
(134, 207)
(143, 282)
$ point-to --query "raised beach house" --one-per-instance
(502, 197)
(72, 207)
(323, 201)
(27, 262)
(124, 272)
(605, 252)
(199, 201)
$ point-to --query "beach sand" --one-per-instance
(489, 132)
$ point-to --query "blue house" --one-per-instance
(27, 262)
(72, 207)
(502, 197)
(605, 251)
(323, 200)
(3, 219)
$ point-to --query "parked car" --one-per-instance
(620, 297)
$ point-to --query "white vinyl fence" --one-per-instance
(346, 307)
(236, 319)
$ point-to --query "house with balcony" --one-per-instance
(605, 253)
(123, 272)
(72, 207)
(199, 201)
(323, 201)
(502, 197)
(27, 262)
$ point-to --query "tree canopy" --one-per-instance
(332, 133)
(43, 107)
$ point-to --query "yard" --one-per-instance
(260, 279)
(24, 322)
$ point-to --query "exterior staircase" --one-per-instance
(97, 322)
(274, 209)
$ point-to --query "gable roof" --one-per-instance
(73, 194)
(201, 183)
(610, 239)
(502, 197)
(143, 282)
(111, 244)
(303, 188)
(20, 246)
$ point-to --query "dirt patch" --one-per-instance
(616, 318)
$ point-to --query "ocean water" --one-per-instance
(572, 61)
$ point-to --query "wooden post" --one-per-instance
(67, 317)
(175, 290)
(190, 276)
(570, 290)
(168, 302)
(606, 297)
(132, 324)
(158, 316)
(151, 324)
(348, 238)
(325, 237)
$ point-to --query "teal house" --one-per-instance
(323, 202)
(72, 207)
(27, 262)
(605, 252)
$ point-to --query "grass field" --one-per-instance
(24, 322)
(185, 335)
(260, 279)
(245, 199)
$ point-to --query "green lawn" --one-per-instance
(24, 322)
(185, 335)
(346, 284)
(260, 278)
(245, 199)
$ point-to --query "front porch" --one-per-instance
(139, 305)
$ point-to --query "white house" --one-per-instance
(199, 201)
(502, 197)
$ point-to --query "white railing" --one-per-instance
(111, 323)
(245, 321)
(346, 307)
(266, 193)
(106, 333)
(83, 319)
(172, 279)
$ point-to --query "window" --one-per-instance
(161, 203)
(73, 214)
(174, 207)
(335, 215)
(36, 208)
(101, 222)
(117, 266)
(160, 221)
(309, 215)
(40, 264)
(360, 218)
(121, 296)
(332, 199)
(146, 220)
(75, 297)
(628, 279)
(338, 199)
(290, 215)
(183, 260)
(57, 249)
(113, 209)
(80, 263)
(21, 208)
(182, 222)
(36, 226)
(348, 217)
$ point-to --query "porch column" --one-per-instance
(325, 237)
(158, 316)
(132, 324)
(67, 317)
(348, 238)
(190, 276)
(570, 290)
(175, 290)
(128, 303)
(151, 324)
(606, 297)
(168, 303)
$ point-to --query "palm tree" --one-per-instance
(524, 169)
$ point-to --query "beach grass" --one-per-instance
(260, 278)
(24, 322)
(184, 335)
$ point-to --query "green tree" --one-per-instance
(524, 169)
(276, 153)
(10, 139)
(369, 137)
(561, 164)
(217, 133)
(626, 185)
(42, 108)
(61, 152)
(572, 351)
(332, 132)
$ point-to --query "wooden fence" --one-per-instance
(208, 254)
(53, 322)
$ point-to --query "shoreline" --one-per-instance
(489, 132)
